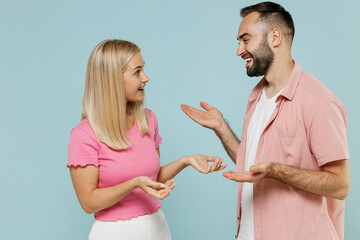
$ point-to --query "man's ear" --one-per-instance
(275, 37)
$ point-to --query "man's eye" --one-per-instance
(246, 41)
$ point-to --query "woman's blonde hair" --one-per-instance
(104, 102)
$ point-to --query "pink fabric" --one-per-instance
(116, 167)
(306, 130)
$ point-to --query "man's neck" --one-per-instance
(278, 75)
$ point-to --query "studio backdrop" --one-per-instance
(189, 48)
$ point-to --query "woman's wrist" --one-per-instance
(136, 182)
(185, 160)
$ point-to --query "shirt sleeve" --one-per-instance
(157, 138)
(82, 150)
(327, 131)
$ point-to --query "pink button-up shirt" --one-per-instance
(306, 130)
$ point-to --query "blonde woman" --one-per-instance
(114, 151)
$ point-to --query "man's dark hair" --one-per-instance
(273, 15)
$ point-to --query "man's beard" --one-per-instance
(262, 57)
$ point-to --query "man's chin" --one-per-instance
(250, 74)
(253, 74)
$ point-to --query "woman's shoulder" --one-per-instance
(83, 128)
(151, 115)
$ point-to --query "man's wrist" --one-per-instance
(274, 170)
(221, 128)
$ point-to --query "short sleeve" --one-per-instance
(154, 122)
(327, 131)
(158, 139)
(82, 150)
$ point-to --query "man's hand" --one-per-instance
(211, 118)
(332, 180)
(256, 173)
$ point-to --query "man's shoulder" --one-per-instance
(312, 86)
(312, 90)
(313, 96)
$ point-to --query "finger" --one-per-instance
(233, 177)
(212, 159)
(170, 187)
(165, 192)
(156, 185)
(225, 174)
(231, 173)
(214, 166)
(190, 110)
(187, 110)
(219, 164)
(230, 177)
(243, 176)
(223, 167)
(193, 113)
(255, 169)
(205, 106)
(169, 182)
(152, 192)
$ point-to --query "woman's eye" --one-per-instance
(137, 73)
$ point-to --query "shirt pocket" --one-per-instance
(290, 146)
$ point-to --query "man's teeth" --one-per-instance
(248, 60)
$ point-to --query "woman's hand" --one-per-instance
(155, 189)
(201, 163)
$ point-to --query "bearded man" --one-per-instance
(292, 163)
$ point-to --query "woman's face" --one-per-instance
(135, 79)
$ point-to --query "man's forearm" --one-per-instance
(325, 183)
(229, 140)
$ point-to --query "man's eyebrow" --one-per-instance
(243, 35)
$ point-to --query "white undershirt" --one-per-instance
(263, 111)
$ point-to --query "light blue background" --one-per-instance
(189, 48)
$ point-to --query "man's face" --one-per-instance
(254, 47)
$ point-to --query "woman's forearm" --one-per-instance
(101, 198)
(170, 170)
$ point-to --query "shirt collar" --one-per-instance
(290, 87)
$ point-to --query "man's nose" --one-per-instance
(241, 50)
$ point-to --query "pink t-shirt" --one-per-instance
(116, 167)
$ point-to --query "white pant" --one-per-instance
(146, 227)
